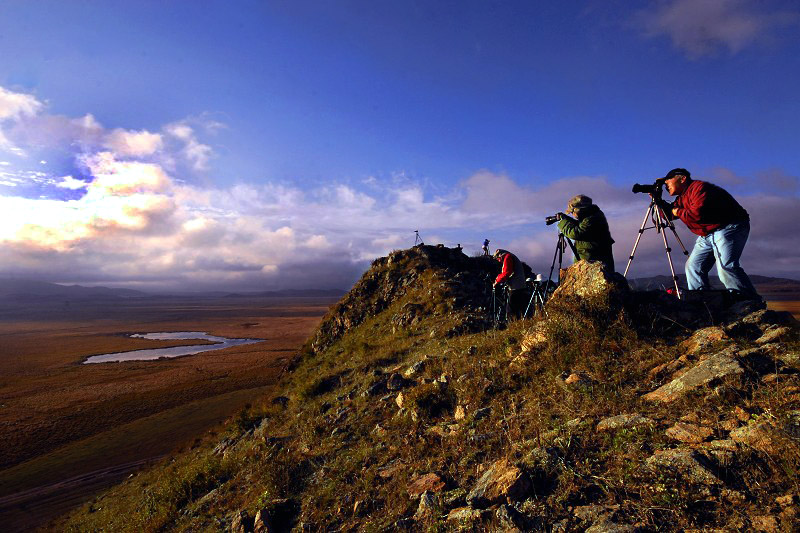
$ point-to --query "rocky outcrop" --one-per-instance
(462, 283)
(502, 482)
(716, 367)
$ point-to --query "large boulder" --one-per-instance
(590, 283)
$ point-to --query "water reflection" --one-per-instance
(175, 351)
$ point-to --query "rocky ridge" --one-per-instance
(616, 410)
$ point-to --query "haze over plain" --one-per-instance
(257, 146)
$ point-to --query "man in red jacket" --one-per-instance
(722, 226)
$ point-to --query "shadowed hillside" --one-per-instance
(617, 411)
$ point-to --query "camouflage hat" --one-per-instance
(578, 202)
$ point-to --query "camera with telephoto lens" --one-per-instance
(655, 189)
(551, 220)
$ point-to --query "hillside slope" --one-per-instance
(617, 411)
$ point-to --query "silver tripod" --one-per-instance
(660, 223)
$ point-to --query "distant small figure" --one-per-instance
(486, 247)
(458, 247)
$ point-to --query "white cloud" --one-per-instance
(702, 27)
(15, 105)
(68, 182)
(133, 143)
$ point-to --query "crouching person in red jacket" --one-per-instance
(722, 226)
(513, 274)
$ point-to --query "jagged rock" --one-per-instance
(261, 524)
(510, 519)
(430, 482)
(759, 435)
(241, 523)
(703, 339)
(428, 505)
(774, 333)
(666, 369)
(534, 338)
(466, 515)
(689, 433)
(415, 369)
(689, 465)
(715, 367)
(454, 498)
(625, 421)
(502, 482)
(400, 400)
(766, 317)
(395, 382)
(578, 379)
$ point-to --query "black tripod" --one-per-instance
(660, 223)
(561, 247)
(501, 301)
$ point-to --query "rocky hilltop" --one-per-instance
(616, 410)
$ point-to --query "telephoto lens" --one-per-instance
(551, 220)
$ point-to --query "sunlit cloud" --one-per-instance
(133, 143)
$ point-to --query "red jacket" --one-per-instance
(705, 207)
(511, 265)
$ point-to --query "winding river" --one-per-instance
(175, 351)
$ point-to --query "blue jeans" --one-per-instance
(724, 247)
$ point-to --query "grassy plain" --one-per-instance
(71, 429)
(793, 306)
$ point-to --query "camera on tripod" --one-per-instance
(552, 219)
(655, 189)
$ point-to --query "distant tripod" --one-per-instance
(417, 239)
(660, 223)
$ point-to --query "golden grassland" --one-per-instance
(63, 419)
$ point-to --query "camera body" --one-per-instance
(551, 220)
(656, 189)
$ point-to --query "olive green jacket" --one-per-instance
(591, 235)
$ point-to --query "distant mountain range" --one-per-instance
(29, 290)
(770, 288)
(17, 289)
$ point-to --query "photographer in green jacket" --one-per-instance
(589, 230)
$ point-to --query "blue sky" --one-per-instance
(254, 144)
